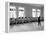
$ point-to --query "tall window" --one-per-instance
(12, 12)
(21, 12)
(36, 12)
(33, 12)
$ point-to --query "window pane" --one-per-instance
(12, 7)
(38, 14)
(33, 14)
(21, 8)
(38, 10)
(21, 14)
(34, 10)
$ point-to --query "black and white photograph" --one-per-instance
(24, 17)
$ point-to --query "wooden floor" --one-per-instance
(27, 27)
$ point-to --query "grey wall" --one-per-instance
(28, 8)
